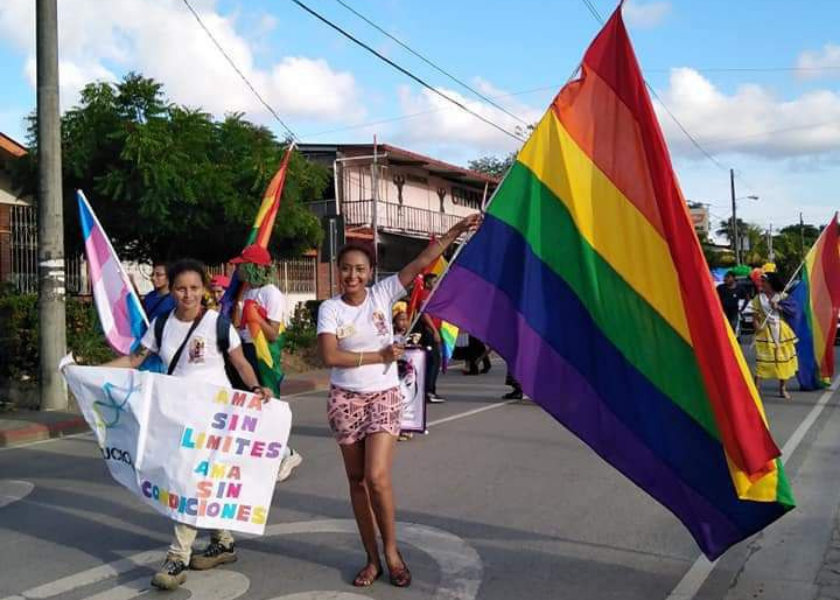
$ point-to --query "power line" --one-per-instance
(405, 71)
(430, 63)
(674, 118)
(720, 141)
(238, 71)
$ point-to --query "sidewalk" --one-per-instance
(27, 426)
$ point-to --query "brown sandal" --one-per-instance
(364, 579)
(400, 578)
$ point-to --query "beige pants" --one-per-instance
(181, 548)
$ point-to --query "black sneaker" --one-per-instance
(171, 575)
(214, 555)
(435, 399)
(514, 395)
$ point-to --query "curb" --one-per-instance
(37, 432)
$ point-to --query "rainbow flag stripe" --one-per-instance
(586, 278)
(818, 295)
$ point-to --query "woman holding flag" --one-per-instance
(775, 342)
(355, 339)
(190, 345)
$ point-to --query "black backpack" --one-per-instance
(222, 343)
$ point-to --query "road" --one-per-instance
(497, 502)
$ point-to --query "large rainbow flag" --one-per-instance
(269, 354)
(120, 311)
(818, 296)
(586, 277)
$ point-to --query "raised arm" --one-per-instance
(433, 251)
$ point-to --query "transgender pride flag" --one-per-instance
(119, 308)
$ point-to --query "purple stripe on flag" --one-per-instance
(477, 306)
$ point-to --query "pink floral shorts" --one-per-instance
(355, 415)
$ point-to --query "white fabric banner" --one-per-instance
(198, 453)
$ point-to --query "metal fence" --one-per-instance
(296, 276)
(395, 217)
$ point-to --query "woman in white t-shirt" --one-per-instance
(189, 337)
(355, 339)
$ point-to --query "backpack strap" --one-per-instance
(177, 356)
(223, 333)
(160, 323)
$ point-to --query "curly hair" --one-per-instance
(365, 249)
(257, 275)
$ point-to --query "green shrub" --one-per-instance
(300, 334)
(19, 334)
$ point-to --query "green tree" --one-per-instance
(492, 165)
(790, 246)
(169, 181)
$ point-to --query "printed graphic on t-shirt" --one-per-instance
(345, 331)
(197, 350)
(380, 323)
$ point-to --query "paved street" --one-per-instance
(497, 502)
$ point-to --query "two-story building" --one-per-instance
(404, 197)
(16, 216)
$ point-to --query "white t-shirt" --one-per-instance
(201, 358)
(272, 300)
(363, 328)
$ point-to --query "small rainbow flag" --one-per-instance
(120, 311)
(586, 276)
(818, 296)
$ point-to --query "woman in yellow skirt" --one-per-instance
(775, 342)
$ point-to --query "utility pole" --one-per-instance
(52, 343)
(374, 172)
(771, 256)
(735, 236)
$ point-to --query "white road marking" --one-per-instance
(460, 567)
(322, 595)
(12, 490)
(94, 575)
(702, 568)
(49, 441)
(470, 413)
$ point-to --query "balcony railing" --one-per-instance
(399, 219)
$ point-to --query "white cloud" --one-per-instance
(161, 39)
(821, 63)
(752, 120)
(645, 14)
(446, 125)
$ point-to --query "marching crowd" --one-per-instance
(362, 333)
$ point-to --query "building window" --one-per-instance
(467, 197)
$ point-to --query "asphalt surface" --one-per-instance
(498, 501)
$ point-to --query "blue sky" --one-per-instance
(779, 129)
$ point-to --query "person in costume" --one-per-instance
(356, 340)
(263, 309)
(775, 342)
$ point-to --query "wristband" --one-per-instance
(361, 358)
